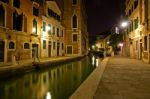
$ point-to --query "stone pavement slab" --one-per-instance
(124, 78)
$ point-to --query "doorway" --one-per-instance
(140, 54)
(58, 49)
(34, 50)
(49, 49)
(2, 46)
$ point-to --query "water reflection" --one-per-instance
(54, 83)
(95, 61)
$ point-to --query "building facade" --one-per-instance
(136, 37)
(74, 20)
(30, 28)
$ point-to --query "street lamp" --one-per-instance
(33, 30)
(48, 28)
(124, 24)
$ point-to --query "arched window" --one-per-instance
(11, 45)
(2, 16)
(34, 28)
(16, 3)
(74, 21)
(26, 46)
(74, 2)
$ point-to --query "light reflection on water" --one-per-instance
(53, 83)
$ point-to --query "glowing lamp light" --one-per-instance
(108, 42)
(48, 95)
(93, 60)
(48, 28)
(124, 24)
(33, 30)
(120, 44)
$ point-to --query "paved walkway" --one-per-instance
(124, 78)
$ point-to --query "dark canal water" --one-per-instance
(53, 83)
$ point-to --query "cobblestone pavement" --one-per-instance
(124, 78)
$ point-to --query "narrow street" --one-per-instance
(124, 78)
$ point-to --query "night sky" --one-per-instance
(103, 14)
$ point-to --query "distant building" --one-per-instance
(75, 23)
(103, 44)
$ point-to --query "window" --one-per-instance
(136, 23)
(5, 1)
(57, 32)
(135, 4)
(145, 43)
(34, 29)
(26, 46)
(25, 24)
(74, 2)
(2, 16)
(69, 49)
(53, 30)
(44, 44)
(44, 26)
(49, 32)
(129, 12)
(35, 11)
(11, 45)
(62, 46)
(75, 38)
(51, 13)
(54, 46)
(74, 21)
(16, 3)
(62, 33)
(17, 21)
(136, 45)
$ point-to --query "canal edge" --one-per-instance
(21, 69)
(88, 88)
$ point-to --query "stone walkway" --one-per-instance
(124, 78)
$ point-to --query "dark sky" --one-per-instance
(103, 14)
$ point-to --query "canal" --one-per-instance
(52, 83)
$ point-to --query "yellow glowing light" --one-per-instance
(93, 60)
(48, 96)
(33, 30)
(48, 28)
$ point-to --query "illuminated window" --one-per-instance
(34, 27)
(49, 32)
